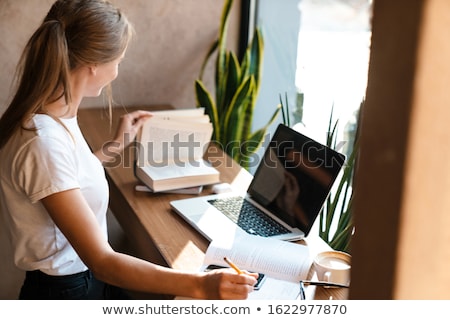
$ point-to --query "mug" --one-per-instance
(333, 266)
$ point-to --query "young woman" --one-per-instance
(53, 190)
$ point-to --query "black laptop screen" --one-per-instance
(295, 177)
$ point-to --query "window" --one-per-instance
(318, 48)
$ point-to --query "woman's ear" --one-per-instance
(93, 69)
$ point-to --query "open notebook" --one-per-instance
(289, 188)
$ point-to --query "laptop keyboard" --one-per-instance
(248, 217)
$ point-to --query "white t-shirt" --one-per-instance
(34, 165)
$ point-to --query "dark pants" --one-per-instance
(83, 285)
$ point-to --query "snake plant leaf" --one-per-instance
(235, 114)
(232, 80)
(254, 141)
(224, 22)
(274, 117)
(211, 50)
(235, 117)
(221, 63)
(253, 58)
(285, 110)
(205, 100)
(249, 147)
(256, 138)
(345, 218)
(341, 240)
(347, 172)
(331, 133)
(221, 87)
(252, 66)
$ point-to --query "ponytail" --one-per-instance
(50, 66)
(74, 33)
(43, 70)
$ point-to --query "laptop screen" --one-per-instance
(295, 177)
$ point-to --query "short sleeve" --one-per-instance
(45, 166)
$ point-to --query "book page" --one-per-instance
(202, 118)
(276, 258)
(181, 112)
(271, 289)
(275, 289)
(165, 141)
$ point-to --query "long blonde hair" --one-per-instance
(74, 33)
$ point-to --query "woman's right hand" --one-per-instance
(227, 284)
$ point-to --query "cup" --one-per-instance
(333, 266)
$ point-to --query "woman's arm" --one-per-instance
(75, 219)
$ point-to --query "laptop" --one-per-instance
(288, 191)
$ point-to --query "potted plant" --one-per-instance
(236, 89)
(335, 219)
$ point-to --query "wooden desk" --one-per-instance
(155, 232)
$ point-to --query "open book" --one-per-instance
(171, 146)
(283, 263)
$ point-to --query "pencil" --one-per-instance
(231, 264)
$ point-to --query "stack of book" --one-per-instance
(170, 150)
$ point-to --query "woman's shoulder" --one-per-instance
(47, 126)
(41, 132)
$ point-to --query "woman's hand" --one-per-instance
(227, 284)
(126, 132)
(129, 126)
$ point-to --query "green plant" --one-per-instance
(285, 110)
(236, 90)
(338, 208)
(297, 113)
(335, 219)
(338, 205)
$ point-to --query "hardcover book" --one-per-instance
(170, 150)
